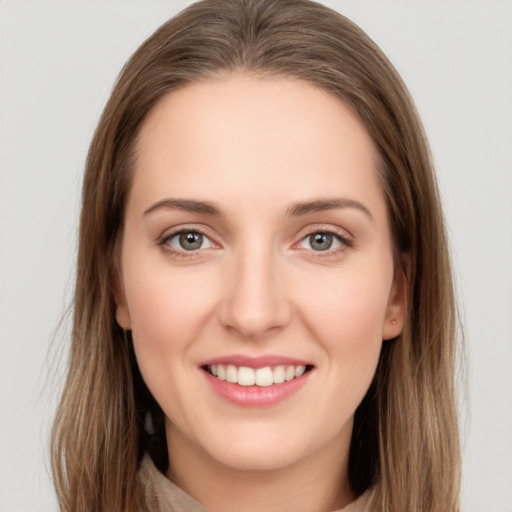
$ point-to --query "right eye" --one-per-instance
(187, 241)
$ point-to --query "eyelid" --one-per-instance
(345, 238)
(170, 233)
(169, 240)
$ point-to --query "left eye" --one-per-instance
(320, 241)
(189, 241)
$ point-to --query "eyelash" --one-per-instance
(346, 242)
(164, 240)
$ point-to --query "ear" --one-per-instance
(397, 302)
(122, 312)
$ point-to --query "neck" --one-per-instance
(318, 482)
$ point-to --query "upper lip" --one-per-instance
(255, 362)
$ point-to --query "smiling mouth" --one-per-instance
(262, 377)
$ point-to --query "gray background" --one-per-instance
(58, 61)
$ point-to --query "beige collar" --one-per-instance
(161, 495)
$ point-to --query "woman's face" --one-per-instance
(257, 270)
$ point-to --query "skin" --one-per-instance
(255, 147)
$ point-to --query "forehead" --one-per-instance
(273, 136)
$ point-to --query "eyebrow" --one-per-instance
(318, 205)
(295, 210)
(188, 205)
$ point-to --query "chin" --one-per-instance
(260, 447)
(257, 458)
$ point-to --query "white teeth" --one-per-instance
(278, 374)
(232, 374)
(299, 370)
(263, 377)
(221, 372)
(246, 376)
(289, 373)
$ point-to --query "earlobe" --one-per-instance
(122, 313)
(396, 309)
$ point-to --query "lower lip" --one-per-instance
(256, 396)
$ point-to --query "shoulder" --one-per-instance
(159, 494)
(365, 503)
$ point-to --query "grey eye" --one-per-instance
(190, 241)
(320, 241)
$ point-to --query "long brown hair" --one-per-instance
(405, 439)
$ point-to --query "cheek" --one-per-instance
(167, 310)
(346, 313)
(353, 306)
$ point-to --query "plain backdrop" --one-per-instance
(58, 62)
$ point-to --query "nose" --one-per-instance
(255, 304)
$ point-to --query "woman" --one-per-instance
(264, 314)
